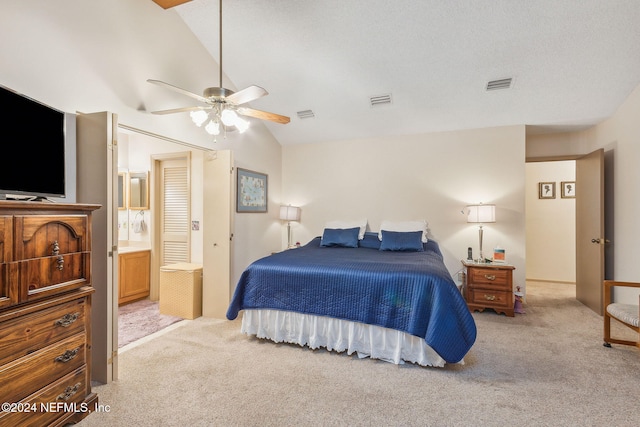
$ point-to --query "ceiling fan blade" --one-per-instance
(177, 89)
(263, 115)
(179, 110)
(167, 4)
(246, 95)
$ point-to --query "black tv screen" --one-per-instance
(33, 147)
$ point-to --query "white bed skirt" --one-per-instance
(339, 335)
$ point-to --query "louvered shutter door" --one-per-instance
(175, 223)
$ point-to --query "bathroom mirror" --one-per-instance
(139, 190)
(122, 188)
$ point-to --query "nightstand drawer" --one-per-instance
(489, 286)
(489, 276)
(491, 298)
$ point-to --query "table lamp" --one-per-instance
(289, 213)
(481, 214)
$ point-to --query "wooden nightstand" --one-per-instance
(489, 286)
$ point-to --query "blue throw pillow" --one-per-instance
(370, 240)
(407, 241)
(340, 237)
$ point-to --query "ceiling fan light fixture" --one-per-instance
(228, 117)
(242, 125)
(223, 105)
(199, 117)
(213, 128)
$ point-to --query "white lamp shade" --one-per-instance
(228, 117)
(289, 213)
(481, 213)
(199, 117)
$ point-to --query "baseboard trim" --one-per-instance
(564, 282)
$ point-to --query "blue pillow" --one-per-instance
(370, 240)
(407, 241)
(340, 237)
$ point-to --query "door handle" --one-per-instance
(600, 241)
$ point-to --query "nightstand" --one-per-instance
(489, 286)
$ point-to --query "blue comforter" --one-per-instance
(408, 291)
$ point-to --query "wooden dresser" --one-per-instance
(489, 286)
(45, 313)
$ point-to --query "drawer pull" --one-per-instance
(490, 297)
(68, 392)
(68, 355)
(490, 276)
(67, 319)
(56, 248)
(60, 262)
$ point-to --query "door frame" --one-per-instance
(607, 260)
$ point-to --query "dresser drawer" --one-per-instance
(50, 235)
(20, 377)
(489, 276)
(8, 288)
(26, 334)
(42, 277)
(46, 405)
(6, 238)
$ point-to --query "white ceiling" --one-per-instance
(573, 62)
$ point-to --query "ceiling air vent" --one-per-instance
(306, 114)
(380, 100)
(499, 84)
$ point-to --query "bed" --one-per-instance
(394, 305)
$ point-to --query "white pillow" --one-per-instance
(340, 224)
(404, 226)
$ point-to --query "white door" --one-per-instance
(97, 182)
(217, 233)
(590, 239)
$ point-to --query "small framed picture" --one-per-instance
(546, 190)
(568, 189)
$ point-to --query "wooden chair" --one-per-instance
(627, 314)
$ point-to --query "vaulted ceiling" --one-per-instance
(571, 62)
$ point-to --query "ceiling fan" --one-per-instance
(222, 106)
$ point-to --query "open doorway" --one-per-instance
(139, 314)
(551, 222)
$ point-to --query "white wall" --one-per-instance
(429, 176)
(620, 138)
(551, 224)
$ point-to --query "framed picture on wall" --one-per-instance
(546, 190)
(251, 191)
(568, 189)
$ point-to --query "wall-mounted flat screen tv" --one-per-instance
(33, 147)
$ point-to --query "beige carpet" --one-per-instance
(547, 367)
